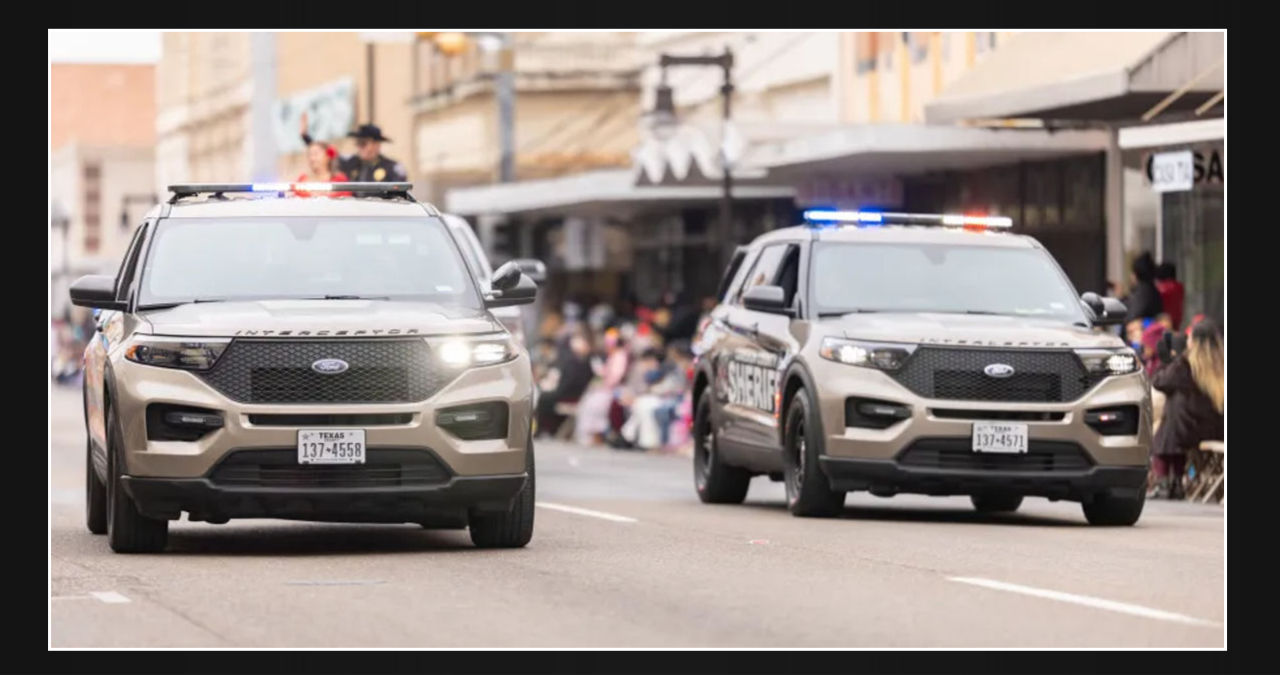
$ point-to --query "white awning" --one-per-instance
(1085, 75)
(609, 192)
(1178, 133)
(903, 149)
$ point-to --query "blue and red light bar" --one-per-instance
(825, 217)
(188, 189)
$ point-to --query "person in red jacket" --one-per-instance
(1172, 292)
(320, 164)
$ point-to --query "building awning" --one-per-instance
(608, 192)
(690, 155)
(1177, 133)
(904, 149)
(1085, 76)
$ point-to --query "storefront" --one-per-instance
(604, 237)
(1176, 206)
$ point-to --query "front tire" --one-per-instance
(513, 528)
(996, 503)
(1107, 509)
(715, 481)
(809, 493)
(95, 495)
(128, 531)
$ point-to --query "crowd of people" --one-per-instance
(621, 378)
(1186, 364)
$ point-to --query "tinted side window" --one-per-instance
(789, 277)
(763, 271)
(731, 273)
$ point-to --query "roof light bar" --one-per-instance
(188, 189)
(827, 216)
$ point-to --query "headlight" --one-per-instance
(464, 352)
(170, 352)
(880, 355)
(1104, 362)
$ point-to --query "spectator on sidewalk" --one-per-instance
(1195, 401)
(564, 382)
(593, 421)
(1172, 292)
(1143, 301)
(662, 385)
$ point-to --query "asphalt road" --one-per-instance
(624, 555)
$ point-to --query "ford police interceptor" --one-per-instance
(916, 353)
(261, 354)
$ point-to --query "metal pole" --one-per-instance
(726, 198)
(506, 95)
(368, 76)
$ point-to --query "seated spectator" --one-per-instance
(564, 382)
(642, 429)
(1193, 384)
(593, 411)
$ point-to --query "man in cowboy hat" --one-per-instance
(367, 165)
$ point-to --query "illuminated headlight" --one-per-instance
(185, 353)
(460, 352)
(1109, 361)
(880, 355)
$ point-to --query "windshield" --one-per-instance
(305, 257)
(947, 278)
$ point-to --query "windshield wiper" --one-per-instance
(168, 305)
(826, 315)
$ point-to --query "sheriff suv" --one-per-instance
(267, 355)
(916, 353)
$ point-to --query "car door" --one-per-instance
(746, 364)
(109, 332)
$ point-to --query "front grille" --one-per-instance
(279, 468)
(279, 371)
(1040, 376)
(1018, 415)
(957, 454)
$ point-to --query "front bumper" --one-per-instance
(137, 386)
(888, 477)
(1069, 459)
(203, 499)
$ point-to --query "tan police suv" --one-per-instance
(266, 355)
(916, 353)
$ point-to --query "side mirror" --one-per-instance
(522, 292)
(1106, 311)
(96, 290)
(769, 299)
(533, 268)
(506, 277)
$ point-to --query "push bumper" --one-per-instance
(889, 477)
(203, 499)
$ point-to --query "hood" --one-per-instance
(317, 318)
(969, 331)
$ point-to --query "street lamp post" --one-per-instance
(665, 110)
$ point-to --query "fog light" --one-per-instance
(475, 421)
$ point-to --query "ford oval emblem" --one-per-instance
(330, 366)
(998, 370)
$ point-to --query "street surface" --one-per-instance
(624, 555)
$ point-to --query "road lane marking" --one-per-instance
(110, 597)
(1088, 601)
(586, 512)
(355, 582)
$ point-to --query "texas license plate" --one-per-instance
(331, 446)
(999, 437)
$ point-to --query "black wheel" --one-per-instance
(512, 529)
(808, 491)
(128, 531)
(95, 495)
(996, 503)
(1106, 509)
(716, 482)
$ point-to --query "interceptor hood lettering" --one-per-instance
(318, 318)
(961, 330)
